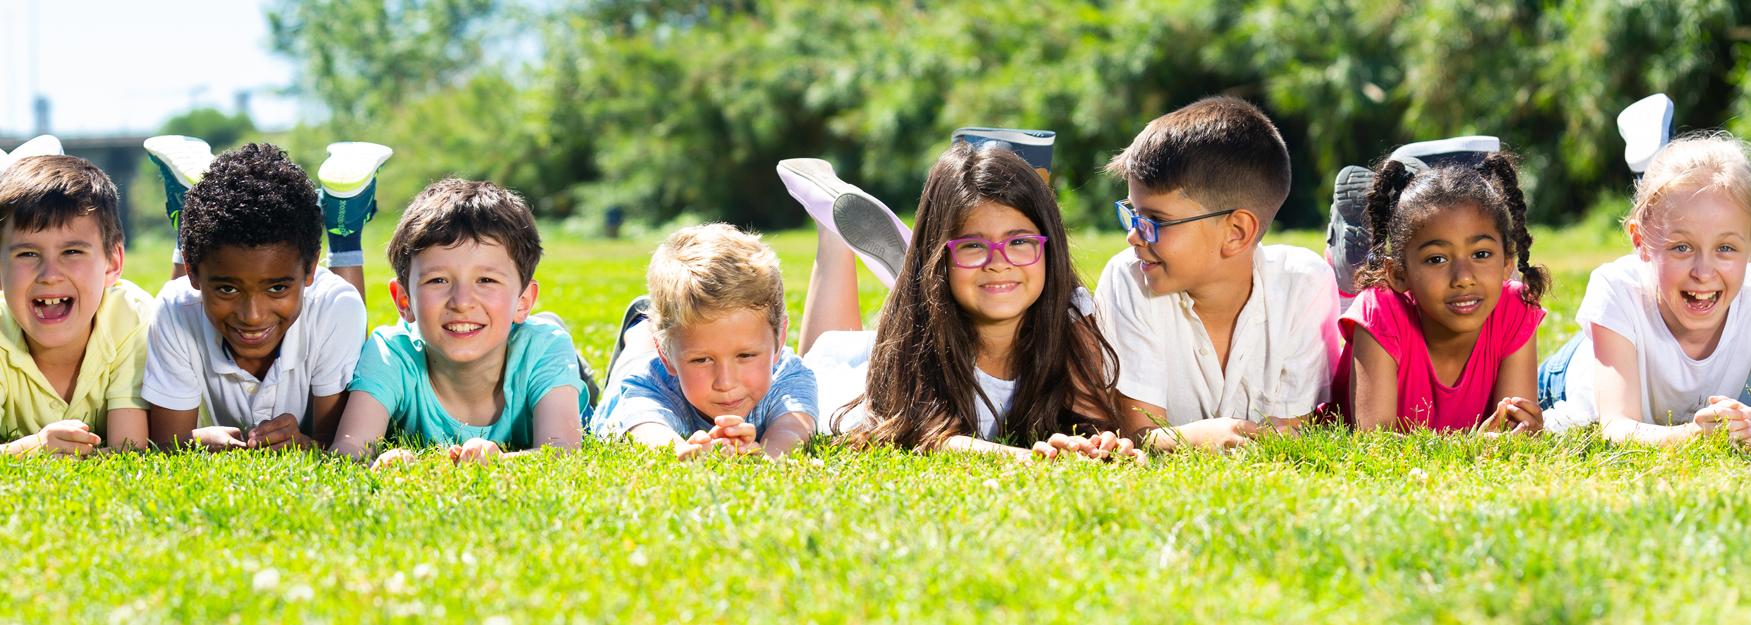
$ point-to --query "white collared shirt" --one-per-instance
(188, 366)
(1281, 355)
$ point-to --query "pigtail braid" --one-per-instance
(1389, 182)
(1535, 277)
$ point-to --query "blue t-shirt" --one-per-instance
(650, 394)
(539, 357)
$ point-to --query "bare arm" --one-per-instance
(127, 429)
(655, 435)
(325, 414)
(556, 420)
(1373, 383)
(974, 444)
(1618, 395)
(1146, 424)
(787, 432)
(363, 423)
(168, 427)
(354, 276)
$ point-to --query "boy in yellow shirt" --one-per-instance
(72, 333)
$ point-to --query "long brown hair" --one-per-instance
(922, 388)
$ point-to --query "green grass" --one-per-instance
(1329, 527)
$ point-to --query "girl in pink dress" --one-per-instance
(1443, 336)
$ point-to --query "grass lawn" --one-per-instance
(1329, 527)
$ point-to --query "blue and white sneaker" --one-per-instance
(1034, 146)
(41, 145)
(869, 228)
(182, 162)
(1469, 150)
(349, 197)
(1646, 127)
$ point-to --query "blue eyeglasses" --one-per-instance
(1150, 229)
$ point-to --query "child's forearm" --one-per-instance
(787, 432)
(1625, 430)
(127, 429)
(976, 445)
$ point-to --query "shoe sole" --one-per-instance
(869, 230)
(186, 158)
(350, 167)
(1646, 127)
(639, 308)
(1422, 149)
(1345, 235)
(872, 231)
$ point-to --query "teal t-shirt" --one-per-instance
(538, 359)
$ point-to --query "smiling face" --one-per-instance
(54, 280)
(464, 298)
(724, 364)
(1455, 265)
(999, 292)
(1182, 256)
(1698, 255)
(252, 295)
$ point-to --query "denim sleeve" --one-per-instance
(793, 390)
(637, 399)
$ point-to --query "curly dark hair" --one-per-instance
(252, 196)
(1402, 200)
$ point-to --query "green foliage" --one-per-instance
(682, 107)
(364, 58)
(218, 129)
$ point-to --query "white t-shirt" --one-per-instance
(1281, 355)
(187, 365)
(1620, 297)
(840, 360)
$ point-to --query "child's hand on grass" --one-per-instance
(729, 435)
(219, 438)
(1221, 433)
(1101, 446)
(394, 457)
(1514, 415)
(61, 438)
(475, 450)
(1727, 411)
(279, 433)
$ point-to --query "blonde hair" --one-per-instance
(1697, 163)
(702, 272)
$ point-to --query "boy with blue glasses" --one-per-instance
(1218, 336)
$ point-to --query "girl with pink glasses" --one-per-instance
(985, 322)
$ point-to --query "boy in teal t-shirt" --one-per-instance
(468, 366)
(539, 357)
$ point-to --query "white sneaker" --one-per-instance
(41, 145)
(1646, 127)
(185, 159)
(1468, 150)
(351, 166)
(869, 228)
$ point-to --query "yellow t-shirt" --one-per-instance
(109, 377)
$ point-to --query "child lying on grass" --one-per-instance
(468, 366)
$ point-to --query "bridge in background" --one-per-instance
(120, 156)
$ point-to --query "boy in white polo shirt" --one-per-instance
(1218, 337)
(256, 333)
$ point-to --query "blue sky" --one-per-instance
(126, 66)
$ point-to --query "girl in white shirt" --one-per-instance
(974, 350)
(1662, 356)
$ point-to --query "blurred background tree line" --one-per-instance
(679, 109)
